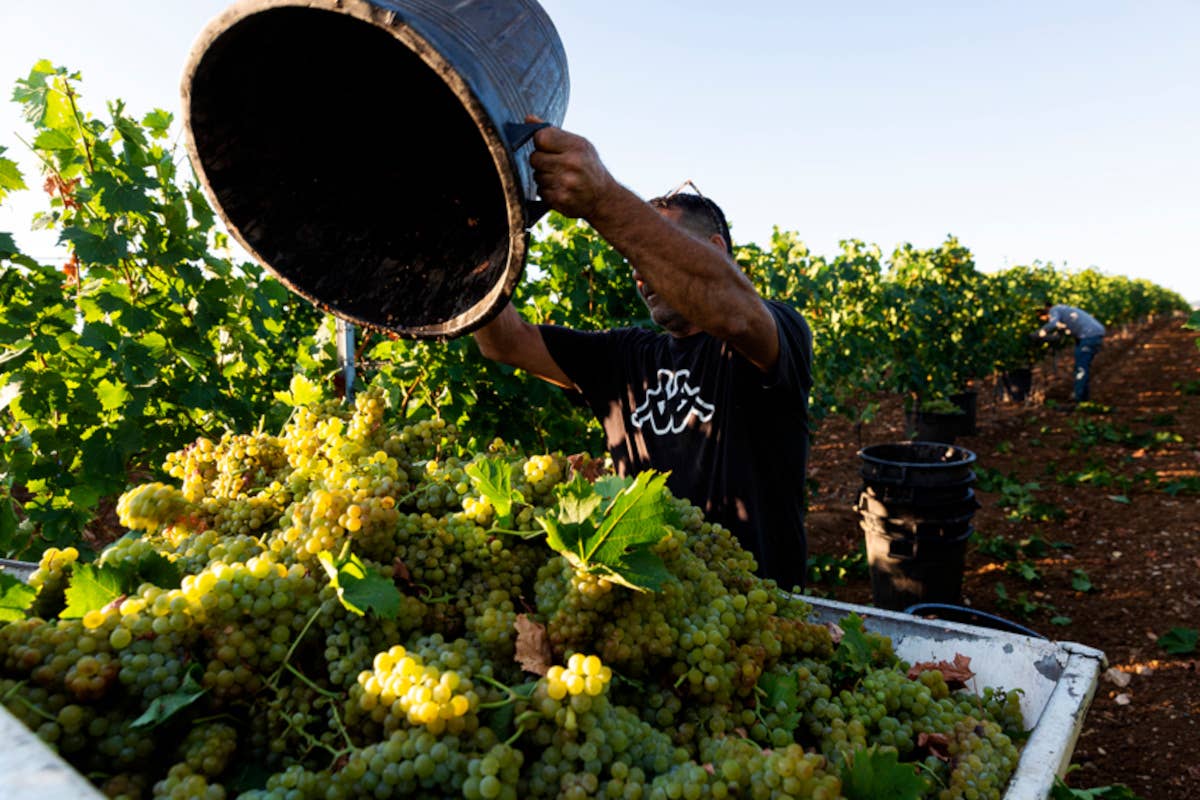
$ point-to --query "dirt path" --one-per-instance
(1092, 529)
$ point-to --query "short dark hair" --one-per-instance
(698, 214)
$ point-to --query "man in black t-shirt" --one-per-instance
(720, 399)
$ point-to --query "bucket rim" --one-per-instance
(504, 158)
(962, 456)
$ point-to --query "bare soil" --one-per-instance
(1097, 477)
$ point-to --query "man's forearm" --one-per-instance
(511, 340)
(692, 275)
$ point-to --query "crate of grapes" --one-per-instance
(1057, 679)
(352, 609)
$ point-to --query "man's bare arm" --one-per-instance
(693, 275)
(511, 340)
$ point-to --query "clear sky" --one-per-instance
(1057, 130)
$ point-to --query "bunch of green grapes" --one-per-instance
(195, 467)
(583, 741)
(351, 641)
(194, 552)
(50, 579)
(740, 768)
(408, 690)
(208, 748)
(426, 439)
(152, 506)
(442, 486)
(494, 774)
(539, 475)
(982, 759)
(181, 783)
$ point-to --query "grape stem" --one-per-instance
(513, 694)
(37, 709)
(518, 723)
(307, 682)
(271, 681)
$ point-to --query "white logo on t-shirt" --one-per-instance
(670, 405)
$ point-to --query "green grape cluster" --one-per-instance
(151, 507)
(405, 688)
(263, 661)
(50, 579)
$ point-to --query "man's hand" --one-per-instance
(569, 173)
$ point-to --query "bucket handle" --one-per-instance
(518, 135)
(949, 611)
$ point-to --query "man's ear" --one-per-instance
(719, 241)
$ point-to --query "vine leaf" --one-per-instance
(91, 588)
(301, 391)
(876, 774)
(15, 598)
(609, 527)
(854, 650)
(163, 707)
(9, 524)
(492, 478)
(8, 392)
(360, 589)
(782, 697)
(10, 176)
(1179, 641)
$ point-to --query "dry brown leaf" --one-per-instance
(533, 646)
(400, 569)
(590, 468)
(936, 744)
(956, 673)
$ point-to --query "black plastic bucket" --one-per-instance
(373, 155)
(933, 426)
(915, 510)
(968, 401)
(916, 464)
(902, 512)
(1016, 384)
(896, 494)
(916, 527)
(906, 570)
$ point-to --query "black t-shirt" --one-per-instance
(734, 439)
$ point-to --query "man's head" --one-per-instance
(697, 214)
(700, 217)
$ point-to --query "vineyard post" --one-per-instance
(345, 354)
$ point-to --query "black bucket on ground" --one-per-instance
(916, 527)
(911, 513)
(1016, 384)
(373, 155)
(968, 401)
(900, 495)
(915, 510)
(916, 464)
(933, 426)
(908, 570)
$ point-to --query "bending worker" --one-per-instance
(1089, 338)
(719, 397)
